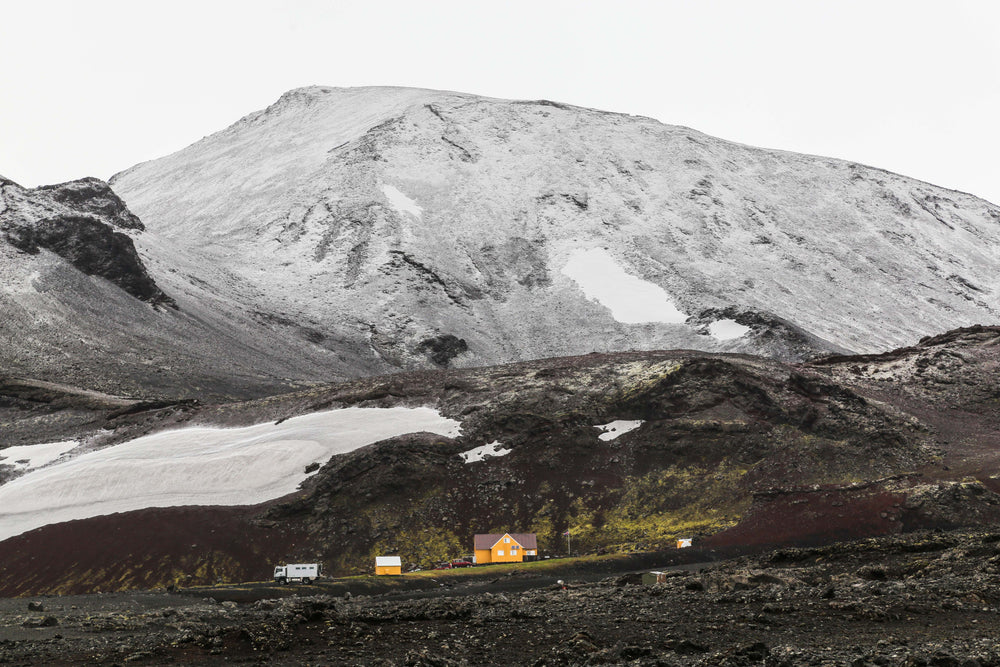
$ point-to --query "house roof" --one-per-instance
(388, 561)
(525, 540)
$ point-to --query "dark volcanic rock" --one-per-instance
(95, 197)
(775, 336)
(78, 221)
(442, 349)
(628, 452)
(717, 429)
(95, 249)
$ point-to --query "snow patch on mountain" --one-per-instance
(201, 466)
(29, 457)
(401, 202)
(618, 428)
(494, 448)
(630, 299)
(725, 330)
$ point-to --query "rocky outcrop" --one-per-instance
(95, 249)
(79, 221)
(443, 349)
(93, 197)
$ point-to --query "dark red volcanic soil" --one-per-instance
(200, 545)
(820, 515)
(815, 517)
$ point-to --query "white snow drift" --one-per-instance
(401, 202)
(494, 448)
(201, 466)
(723, 330)
(618, 427)
(630, 299)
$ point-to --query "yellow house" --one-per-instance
(505, 547)
(388, 565)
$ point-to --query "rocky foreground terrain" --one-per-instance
(926, 598)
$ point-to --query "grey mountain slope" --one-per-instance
(79, 307)
(401, 219)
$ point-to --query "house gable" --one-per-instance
(504, 547)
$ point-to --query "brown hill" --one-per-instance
(746, 450)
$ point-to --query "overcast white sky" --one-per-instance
(91, 88)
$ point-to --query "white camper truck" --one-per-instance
(302, 572)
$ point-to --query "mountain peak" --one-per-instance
(355, 100)
(311, 93)
(392, 228)
(468, 214)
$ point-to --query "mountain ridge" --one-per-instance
(347, 232)
(472, 206)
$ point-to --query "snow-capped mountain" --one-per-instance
(405, 227)
(350, 232)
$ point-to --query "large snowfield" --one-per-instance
(201, 466)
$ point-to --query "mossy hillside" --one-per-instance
(644, 512)
(143, 572)
(422, 548)
(659, 507)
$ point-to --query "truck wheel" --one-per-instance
(306, 580)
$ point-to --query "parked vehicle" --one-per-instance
(296, 572)
(457, 562)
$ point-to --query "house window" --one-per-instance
(506, 540)
(500, 552)
(513, 551)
